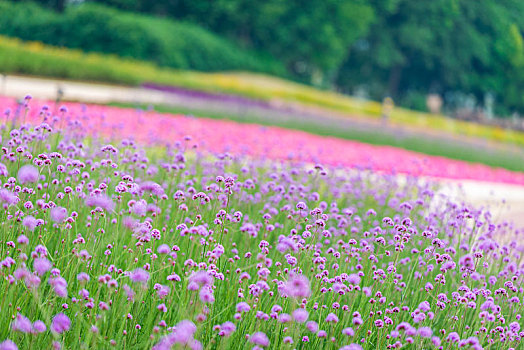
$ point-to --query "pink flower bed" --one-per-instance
(274, 143)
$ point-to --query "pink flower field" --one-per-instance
(219, 136)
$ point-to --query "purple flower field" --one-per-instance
(115, 244)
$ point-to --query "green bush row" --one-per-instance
(96, 28)
(35, 58)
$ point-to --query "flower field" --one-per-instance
(205, 234)
(271, 143)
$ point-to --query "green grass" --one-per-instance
(507, 159)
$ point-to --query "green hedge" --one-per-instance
(96, 28)
(38, 59)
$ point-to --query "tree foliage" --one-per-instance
(98, 28)
(441, 46)
(311, 37)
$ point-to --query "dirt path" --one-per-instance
(475, 192)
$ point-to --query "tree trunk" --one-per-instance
(395, 74)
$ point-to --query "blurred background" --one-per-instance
(467, 57)
(442, 77)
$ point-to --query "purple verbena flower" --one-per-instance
(27, 174)
(259, 338)
(58, 214)
(139, 275)
(297, 286)
(60, 323)
(22, 324)
(300, 315)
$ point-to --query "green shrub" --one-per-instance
(96, 28)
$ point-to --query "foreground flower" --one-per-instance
(8, 345)
(27, 174)
(351, 347)
(203, 250)
(100, 201)
(300, 315)
(58, 214)
(39, 326)
(184, 332)
(297, 286)
(7, 197)
(259, 338)
(61, 323)
(139, 276)
(22, 324)
(41, 266)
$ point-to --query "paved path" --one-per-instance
(506, 202)
(474, 192)
(16, 86)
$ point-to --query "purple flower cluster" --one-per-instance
(112, 244)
